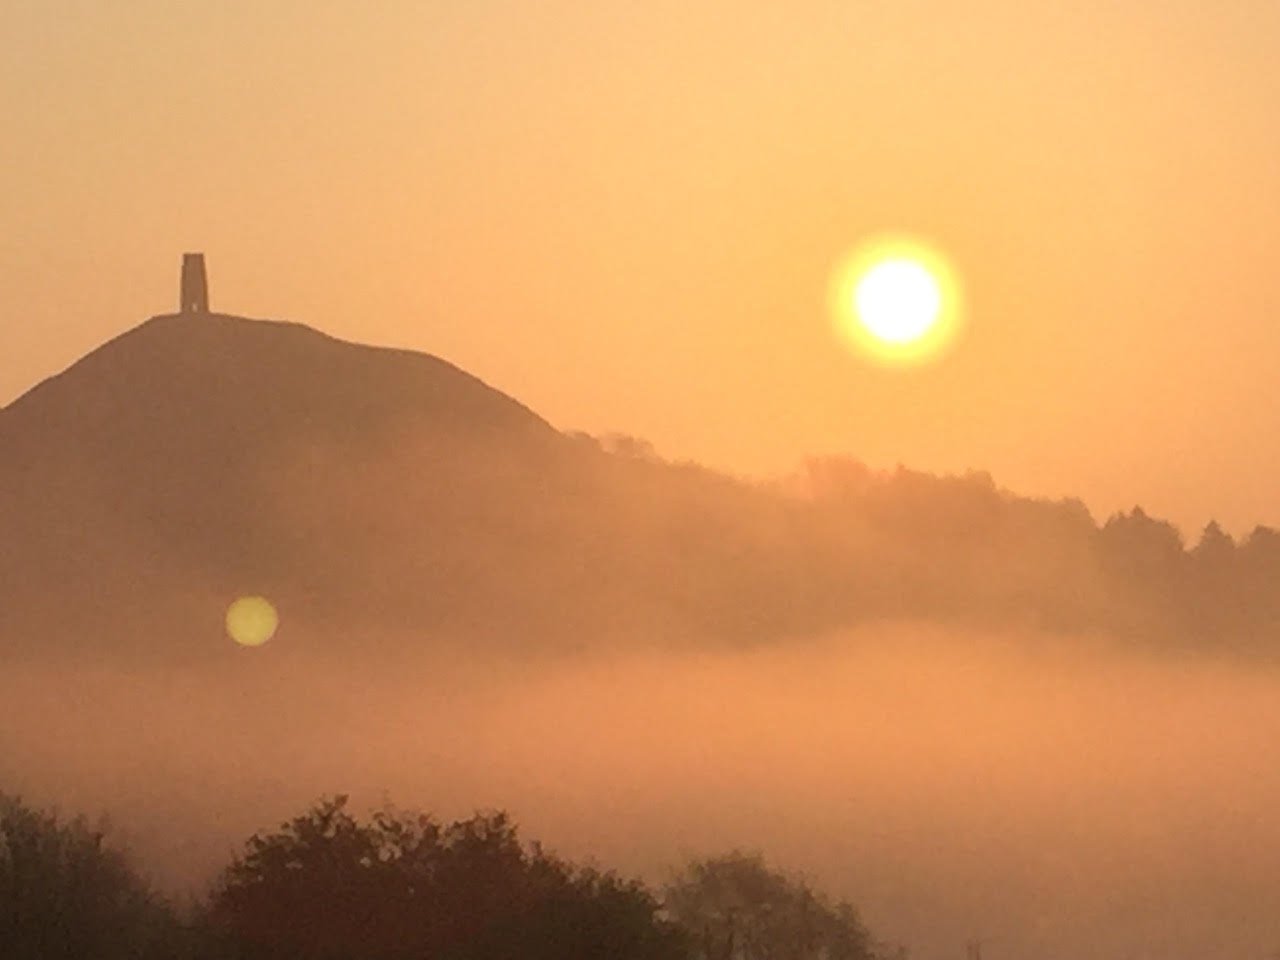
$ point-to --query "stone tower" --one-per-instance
(194, 297)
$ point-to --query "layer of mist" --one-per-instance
(1052, 798)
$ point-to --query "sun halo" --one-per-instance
(897, 301)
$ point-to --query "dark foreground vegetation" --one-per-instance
(400, 886)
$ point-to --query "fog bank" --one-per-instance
(1053, 798)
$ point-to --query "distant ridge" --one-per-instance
(389, 499)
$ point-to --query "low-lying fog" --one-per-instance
(1054, 799)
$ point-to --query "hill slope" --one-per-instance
(166, 456)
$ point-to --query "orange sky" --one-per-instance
(626, 214)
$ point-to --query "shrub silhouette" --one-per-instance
(326, 886)
(64, 893)
(734, 907)
(400, 886)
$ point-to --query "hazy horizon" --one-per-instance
(784, 477)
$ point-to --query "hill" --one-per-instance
(162, 460)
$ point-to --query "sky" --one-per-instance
(627, 215)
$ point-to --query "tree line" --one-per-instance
(328, 885)
(841, 544)
(960, 548)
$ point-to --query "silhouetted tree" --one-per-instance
(1254, 571)
(1146, 566)
(1218, 599)
(328, 887)
(1259, 570)
(734, 907)
(1143, 542)
(64, 893)
(1216, 548)
(625, 445)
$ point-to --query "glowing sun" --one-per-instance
(897, 300)
(252, 621)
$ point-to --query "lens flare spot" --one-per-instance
(252, 621)
(897, 301)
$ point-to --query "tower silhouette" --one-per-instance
(194, 296)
